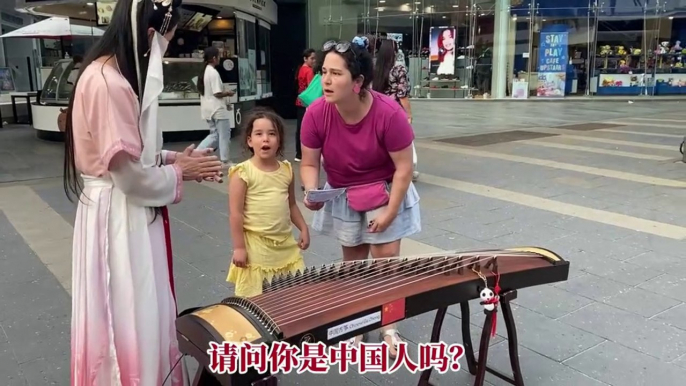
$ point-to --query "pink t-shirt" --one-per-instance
(357, 154)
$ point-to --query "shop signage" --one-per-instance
(258, 4)
(552, 62)
(261, 9)
(606, 9)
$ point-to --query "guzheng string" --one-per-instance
(347, 276)
(373, 287)
(305, 277)
(335, 270)
(346, 285)
(481, 275)
(340, 271)
(371, 290)
(346, 280)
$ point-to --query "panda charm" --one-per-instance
(488, 299)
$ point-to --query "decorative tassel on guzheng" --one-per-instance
(490, 299)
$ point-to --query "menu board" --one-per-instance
(6, 79)
(104, 11)
(185, 17)
(198, 22)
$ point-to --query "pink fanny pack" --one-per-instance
(367, 197)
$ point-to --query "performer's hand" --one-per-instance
(240, 258)
(202, 152)
(382, 221)
(197, 153)
(200, 167)
(218, 178)
(304, 242)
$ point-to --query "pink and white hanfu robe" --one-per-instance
(123, 306)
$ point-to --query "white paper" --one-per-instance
(324, 195)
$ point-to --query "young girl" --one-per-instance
(262, 207)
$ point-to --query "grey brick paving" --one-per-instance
(618, 320)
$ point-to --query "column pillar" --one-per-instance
(501, 40)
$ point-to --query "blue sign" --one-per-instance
(580, 8)
(552, 62)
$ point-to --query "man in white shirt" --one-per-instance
(213, 107)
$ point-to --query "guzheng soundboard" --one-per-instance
(312, 306)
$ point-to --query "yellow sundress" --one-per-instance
(269, 240)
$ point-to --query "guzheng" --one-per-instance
(312, 306)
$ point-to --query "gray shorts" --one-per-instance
(349, 227)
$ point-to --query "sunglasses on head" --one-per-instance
(340, 47)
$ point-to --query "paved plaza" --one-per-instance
(598, 182)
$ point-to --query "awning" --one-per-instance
(53, 28)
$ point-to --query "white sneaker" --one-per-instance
(296, 159)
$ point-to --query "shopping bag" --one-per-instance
(313, 91)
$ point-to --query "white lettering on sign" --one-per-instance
(353, 325)
(258, 4)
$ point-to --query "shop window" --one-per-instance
(246, 32)
(264, 80)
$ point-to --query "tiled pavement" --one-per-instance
(607, 198)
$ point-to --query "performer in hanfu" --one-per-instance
(123, 302)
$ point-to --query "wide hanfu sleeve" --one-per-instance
(115, 131)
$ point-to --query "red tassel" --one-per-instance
(496, 292)
(493, 324)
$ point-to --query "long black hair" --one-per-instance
(385, 60)
(117, 42)
(209, 54)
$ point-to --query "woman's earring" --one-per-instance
(356, 89)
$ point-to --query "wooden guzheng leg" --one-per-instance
(480, 366)
(467, 338)
(435, 336)
(205, 378)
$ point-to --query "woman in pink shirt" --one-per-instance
(365, 140)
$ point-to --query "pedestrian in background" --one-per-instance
(213, 107)
(304, 77)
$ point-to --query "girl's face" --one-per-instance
(448, 41)
(310, 60)
(264, 139)
(337, 81)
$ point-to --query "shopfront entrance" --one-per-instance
(522, 49)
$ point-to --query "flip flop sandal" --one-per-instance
(355, 340)
(395, 339)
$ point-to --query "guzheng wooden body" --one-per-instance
(314, 305)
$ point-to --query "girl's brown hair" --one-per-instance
(274, 118)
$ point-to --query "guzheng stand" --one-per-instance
(479, 366)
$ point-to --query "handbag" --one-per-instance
(367, 197)
(313, 91)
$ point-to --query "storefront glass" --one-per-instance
(264, 73)
(522, 48)
(246, 36)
